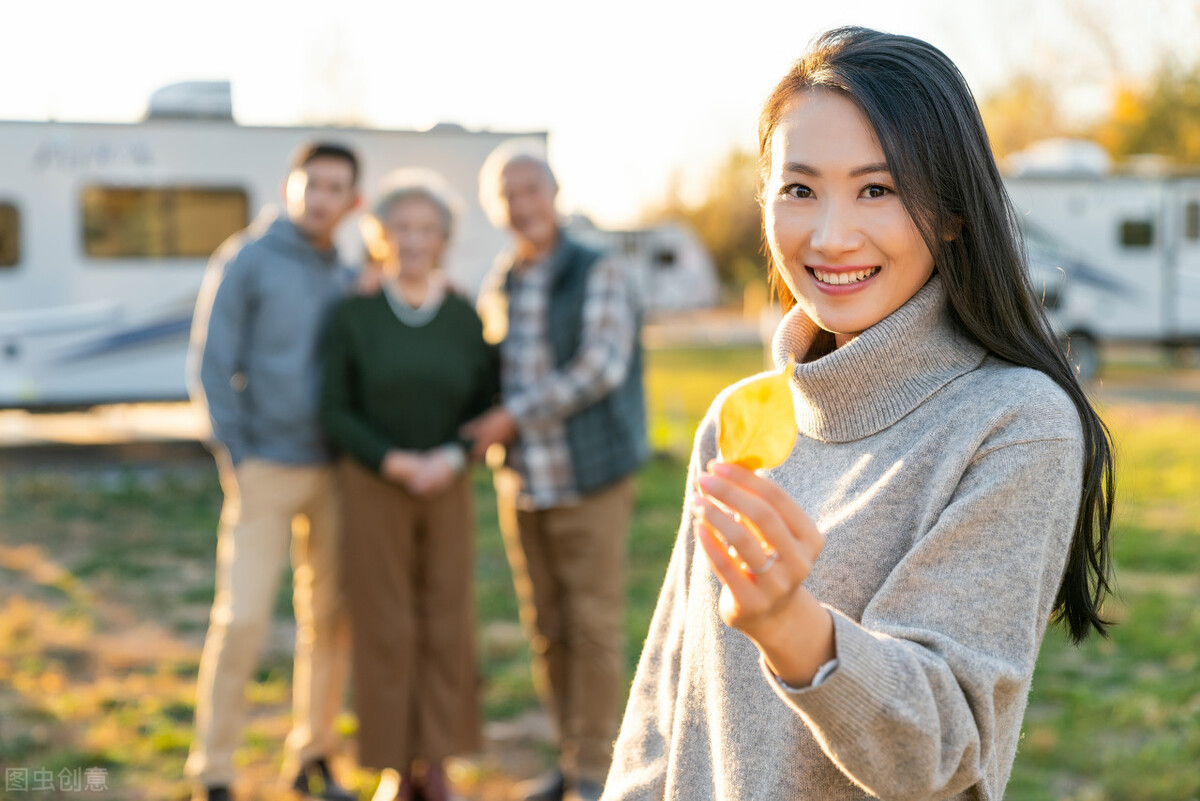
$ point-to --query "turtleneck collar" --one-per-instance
(879, 376)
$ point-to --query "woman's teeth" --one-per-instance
(844, 278)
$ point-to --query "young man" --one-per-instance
(253, 363)
(572, 417)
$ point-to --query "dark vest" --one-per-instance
(607, 440)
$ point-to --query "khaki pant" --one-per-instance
(266, 507)
(568, 566)
(409, 569)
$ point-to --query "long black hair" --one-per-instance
(936, 147)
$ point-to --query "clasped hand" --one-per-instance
(762, 546)
(421, 473)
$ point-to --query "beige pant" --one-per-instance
(409, 573)
(266, 507)
(568, 566)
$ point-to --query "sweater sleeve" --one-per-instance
(217, 354)
(642, 751)
(341, 413)
(931, 685)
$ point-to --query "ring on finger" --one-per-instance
(772, 558)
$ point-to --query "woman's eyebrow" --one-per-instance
(867, 169)
(805, 169)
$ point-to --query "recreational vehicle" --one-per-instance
(105, 231)
(1117, 251)
(672, 268)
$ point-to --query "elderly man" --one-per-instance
(572, 418)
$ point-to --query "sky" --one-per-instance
(635, 94)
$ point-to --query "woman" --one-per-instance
(404, 369)
(863, 620)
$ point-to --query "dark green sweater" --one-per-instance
(389, 385)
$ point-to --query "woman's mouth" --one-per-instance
(843, 277)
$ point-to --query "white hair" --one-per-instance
(417, 182)
(406, 184)
(491, 175)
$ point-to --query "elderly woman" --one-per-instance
(405, 368)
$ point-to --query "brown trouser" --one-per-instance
(266, 507)
(408, 567)
(568, 566)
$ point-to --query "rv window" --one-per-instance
(1191, 220)
(10, 235)
(121, 222)
(664, 259)
(1137, 233)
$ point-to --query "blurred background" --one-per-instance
(135, 137)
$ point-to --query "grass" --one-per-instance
(105, 582)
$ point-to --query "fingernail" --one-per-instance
(707, 482)
(720, 468)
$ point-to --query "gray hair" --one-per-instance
(417, 182)
(491, 175)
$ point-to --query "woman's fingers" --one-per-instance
(765, 571)
(782, 522)
(748, 550)
(726, 566)
(747, 599)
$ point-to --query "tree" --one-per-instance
(1160, 116)
(1020, 113)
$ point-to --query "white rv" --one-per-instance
(1117, 250)
(672, 268)
(105, 231)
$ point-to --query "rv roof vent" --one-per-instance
(192, 100)
(1061, 156)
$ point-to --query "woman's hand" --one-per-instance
(400, 466)
(369, 281)
(436, 472)
(762, 546)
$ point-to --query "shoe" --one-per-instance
(433, 785)
(550, 787)
(216, 793)
(586, 790)
(330, 789)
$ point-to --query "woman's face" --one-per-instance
(416, 237)
(842, 240)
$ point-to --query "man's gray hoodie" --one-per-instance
(254, 351)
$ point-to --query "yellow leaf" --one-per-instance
(758, 422)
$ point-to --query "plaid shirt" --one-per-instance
(542, 397)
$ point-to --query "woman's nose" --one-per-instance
(836, 230)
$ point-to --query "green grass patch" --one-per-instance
(1113, 720)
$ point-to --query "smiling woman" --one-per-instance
(863, 619)
(846, 247)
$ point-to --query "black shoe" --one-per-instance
(330, 789)
(586, 790)
(550, 787)
(216, 793)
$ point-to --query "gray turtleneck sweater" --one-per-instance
(947, 485)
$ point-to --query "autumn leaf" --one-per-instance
(758, 422)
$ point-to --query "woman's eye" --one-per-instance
(796, 191)
(876, 191)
